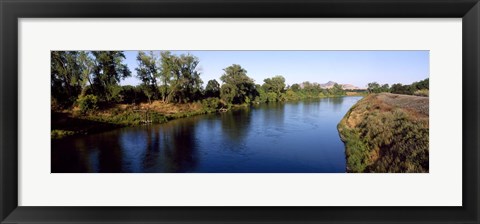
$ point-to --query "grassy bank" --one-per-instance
(387, 133)
(72, 122)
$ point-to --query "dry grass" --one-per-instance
(170, 108)
(417, 105)
(156, 106)
(353, 93)
(387, 133)
(70, 122)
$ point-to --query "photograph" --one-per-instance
(239, 111)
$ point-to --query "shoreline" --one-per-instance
(67, 123)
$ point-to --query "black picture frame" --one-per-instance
(11, 11)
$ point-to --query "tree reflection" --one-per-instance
(96, 153)
(151, 157)
(337, 103)
(70, 156)
(236, 123)
(273, 115)
(178, 146)
(109, 152)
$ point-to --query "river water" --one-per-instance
(298, 137)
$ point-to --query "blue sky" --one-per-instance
(346, 67)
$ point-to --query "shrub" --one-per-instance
(271, 97)
(211, 104)
(384, 140)
(54, 104)
(290, 95)
(87, 103)
(157, 118)
(421, 92)
(57, 134)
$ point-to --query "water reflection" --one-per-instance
(276, 137)
(336, 103)
(235, 123)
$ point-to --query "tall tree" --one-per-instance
(212, 89)
(242, 87)
(148, 72)
(275, 84)
(66, 77)
(228, 93)
(87, 66)
(191, 81)
(295, 87)
(337, 90)
(108, 72)
(181, 78)
(373, 87)
(385, 88)
(167, 69)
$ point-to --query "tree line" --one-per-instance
(91, 79)
(420, 88)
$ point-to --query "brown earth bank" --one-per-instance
(387, 133)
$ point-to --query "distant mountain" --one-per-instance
(330, 84)
(350, 86)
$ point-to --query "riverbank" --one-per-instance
(387, 133)
(71, 122)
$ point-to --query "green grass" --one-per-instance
(57, 134)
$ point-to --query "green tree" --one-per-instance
(190, 80)
(87, 66)
(66, 77)
(373, 87)
(385, 88)
(272, 97)
(396, 88)
(424, 84)
(312, 90)
(275, 84)
(109, 70)
(291, 95)
(295, 87)
(402, 89)
(182, 82)
(262, 95)
(167, 70)
(239, 84)
(132, 94)
(148, 72)
(212, 89)
(337, 90)
(227, 93)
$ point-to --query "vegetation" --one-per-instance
(87, 103)
(57, 134)
(384, 132)
(387, 133)
(417, 88)
(238, 88)
(86, 85)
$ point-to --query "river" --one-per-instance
(296, 137)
